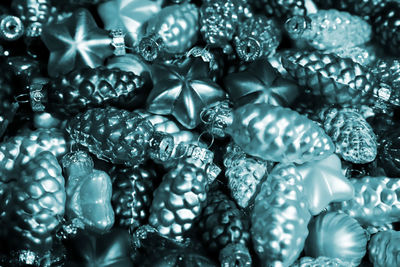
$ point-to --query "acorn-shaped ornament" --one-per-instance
(245, 174)
(375, 201)
(223, 228)
(383, 249)
(280, 217)
(119, 136)
(329, 29)
(354, 138)
(172, 31)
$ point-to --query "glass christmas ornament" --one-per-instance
(279, 218)
(354, 138)
(336, 235)
(386, 26)
(375, 201)
(88, 193)
(119, 136)
(319, 262)
(278, 134)
(365, 55)
(383, 249)
(47, 121)
(11, 28)
(257, 37)
(329, 29)
(388, 154)
(172, 31)
(282, 9)
(130, 63)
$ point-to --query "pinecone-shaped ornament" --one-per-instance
(386, 25)
(16, 151)
(389, 155)
(282, 9)
(119, 136)
(179, 200)
(172, 31)
(384, 249)
(320, 262)
(336, 80)
(278, 134)
(354, 138)
(132, 195)
(223, 224)
(329, 29)
(36, 206)
(87, 88)
(245, 174)
(280, 217)
(375, 201)
(257, 37)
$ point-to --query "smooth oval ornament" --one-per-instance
(336, 235)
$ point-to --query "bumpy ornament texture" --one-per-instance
(336, 235)
(354, 138)
(375, 201)
(278, 134)
(179, 200)
(280, 217)
(384, 249)
(337, 80)
(37, 204)
(87, 88)
(387, 27)
(320, 262)
(389, 153)
(244, 173)
(329, 29)
(281, 8)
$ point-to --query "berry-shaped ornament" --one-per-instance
(260, 83)
(130, 63)
(257, 37)
(86, 88)
(375, 201)
(278, 134)
(76, 42)
(128, 15)
(88, 193)
(336, 80)
(279, 218)
(119, 136)
(132, 195)
(282, 9)
(389, 155)
(354, 138)
(329, 29)
(183, 91)
(336, 235)
(36, 206)
(383, 249)
(245, 174)
(172, 31)
(387, 28)
(320, 262)
(18, 150)
(224, 230)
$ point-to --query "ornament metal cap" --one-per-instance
(150, 47)
(248, 49)
(11, 28)
(118, 42)
(77, 163)
(217, 117)
(235, 254)
(161, 146)
(297, 25)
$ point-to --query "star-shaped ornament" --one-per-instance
(324, 183)
(128, 15)
(77, 42)
(183, 90)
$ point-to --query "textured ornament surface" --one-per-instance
(260, 83)
(389, 152)
(388, 72)
(336, 235)
(376, 201)
(183, 91)
(18, 150)
(244, 173)
(387, 27)
(354, 138)
(281, 9)
(111, 134)
(132, 195)
(94, 87)
(280, 217)
(337, 80)
(384, 249)
(128, 15)
(76, 42)
(329, 29)
(88, 193)
(37, 204)
(278, 134)
(324, 183)
(320, 262)
(173, 30)
(179, 200)
(257, 37)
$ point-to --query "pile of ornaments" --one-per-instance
(200, 133)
